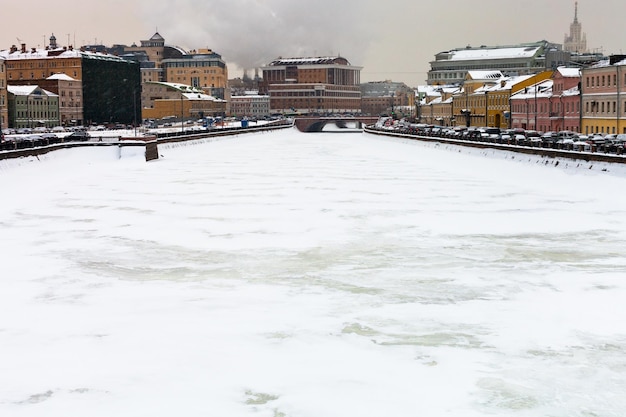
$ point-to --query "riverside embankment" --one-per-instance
(21, 149)
(548, 153)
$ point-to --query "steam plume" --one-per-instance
(251, 33)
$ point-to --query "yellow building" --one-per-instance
(36, 64)
(200, 69)
(485, 97)
(162, 100)
(603, 100)
(436, 107)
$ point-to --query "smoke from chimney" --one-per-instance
(260, 31)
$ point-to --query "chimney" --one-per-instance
(23, 48)
(13, 48)
(33, 50)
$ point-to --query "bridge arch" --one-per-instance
(316, 124)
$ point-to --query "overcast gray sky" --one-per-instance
(393, 39)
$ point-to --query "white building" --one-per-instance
(451, 67)
(250, 105)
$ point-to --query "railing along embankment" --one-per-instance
(579, 155)
(149, 143)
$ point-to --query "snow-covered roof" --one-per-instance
(323, 60)
(493, 53)
(485, 75)
(26, 90)
(574, 91)
(35, 53)
(61, 76)
(201, 97)
(428, 89)
(39, 54)
(541, 89)
(189, 92)
(569, 72)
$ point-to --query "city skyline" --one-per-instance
(394, 42)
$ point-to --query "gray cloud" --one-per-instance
(249, 33)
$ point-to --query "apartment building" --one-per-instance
(386, 97)
(451, 67)
(312, 85)
(250, 105)
(163, 100)
(202, 68)
(603, 99)
(110, 85)
(31, 106)
(547, 105)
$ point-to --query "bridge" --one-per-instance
(317, 123)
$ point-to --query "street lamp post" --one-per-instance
(135, 109)
(182, 114)
(486, 108)
(535, 106)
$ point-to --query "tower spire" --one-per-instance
(576, 12)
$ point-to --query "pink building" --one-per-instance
(551, 105)
(530, 108)
(565, 100)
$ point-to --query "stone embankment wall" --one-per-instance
(543, 152)
(151, 146)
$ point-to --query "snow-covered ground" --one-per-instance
(290, 274)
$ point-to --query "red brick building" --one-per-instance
(312, 85)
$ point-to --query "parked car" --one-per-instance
(51, 138)
(580, 145)
(79, 135)
(566, 134)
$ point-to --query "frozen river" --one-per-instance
(310, 275)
